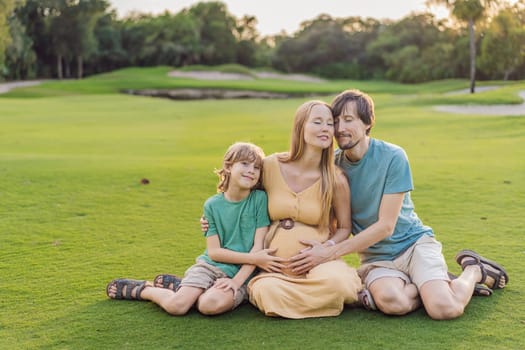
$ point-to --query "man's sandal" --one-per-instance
(488, 267)
(366, 300)
(167, 281)
(133, 289)
(480, 290)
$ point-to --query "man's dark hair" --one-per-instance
(364, 106)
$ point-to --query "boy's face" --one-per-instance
(244, 174)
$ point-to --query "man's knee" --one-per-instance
(393, 303)
(395, 298)
(444, 311)
(439, 301)
(442, 306)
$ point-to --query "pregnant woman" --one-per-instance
(308, 200)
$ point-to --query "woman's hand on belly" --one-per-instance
(308, 258)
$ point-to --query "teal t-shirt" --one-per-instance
(235, 223)
(384, 169)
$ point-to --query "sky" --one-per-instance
(276, 15)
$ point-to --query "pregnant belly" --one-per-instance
(287, 242)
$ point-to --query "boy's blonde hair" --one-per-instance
(238, 152)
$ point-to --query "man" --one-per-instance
(402, 265)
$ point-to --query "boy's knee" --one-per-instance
(213, 304)
(176, 307)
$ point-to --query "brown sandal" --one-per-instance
(488, 267)
(131, 285)
(366, 300)
(480, 290)
(170, 282)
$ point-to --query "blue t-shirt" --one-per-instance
(235, 223)
(384, 169)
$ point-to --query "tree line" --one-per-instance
(74, 38)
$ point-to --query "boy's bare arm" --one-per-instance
(257, 256)
(247, 269)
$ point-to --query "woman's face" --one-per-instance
(319, 127)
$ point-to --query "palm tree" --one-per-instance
(469, 11)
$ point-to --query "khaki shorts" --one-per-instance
(203, 275)
(420, 263)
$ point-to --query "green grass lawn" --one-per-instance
(73, 214)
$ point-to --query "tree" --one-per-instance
(109, 55)
(320, 42)
(32, 17)
(470, 11)
(83, 16)
(216, 28)
(163, 40)
(172, 40)
(59, 29)
(414, 49)
(362, 32)
(503, 47)
(330, 47)
(247, 36)
(20, 57)
(6, 9)
(71, 31)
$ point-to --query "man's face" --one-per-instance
(349, 128)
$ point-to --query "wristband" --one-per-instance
(330, 242)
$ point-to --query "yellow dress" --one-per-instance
(325, 289)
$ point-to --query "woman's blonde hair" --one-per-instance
(327, 167)
(238, 152)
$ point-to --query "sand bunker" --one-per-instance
(203, 94)
(194, 94)
(6, 87)
(208, 93)
(207, 75)
(503, 110)
(211, 75)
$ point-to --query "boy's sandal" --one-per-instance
(366, 300)
(167, 281)
(488, 267)
(480, 290)
(131, 286)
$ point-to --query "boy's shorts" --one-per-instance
(420, 263)
(203, 275)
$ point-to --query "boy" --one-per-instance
(238, 218)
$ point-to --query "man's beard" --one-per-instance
(348, 145)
